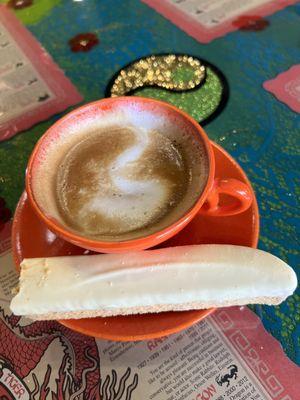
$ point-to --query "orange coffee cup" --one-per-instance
(238, 195)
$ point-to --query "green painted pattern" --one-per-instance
(14, 155)
(200, 103)
(38, 10)
(182, 74)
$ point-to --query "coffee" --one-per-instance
(120, 174)
(120, 182)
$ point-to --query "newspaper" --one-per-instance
(214, 12)
(206, 20)
(32, 87)
(228, 355)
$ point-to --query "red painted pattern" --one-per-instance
(19, 4)
(250, 23)
(5, 213)
(83, 42)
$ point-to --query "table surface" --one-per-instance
(255, 128)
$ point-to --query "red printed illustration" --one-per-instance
(22, 349)
(46, 360)
(41, 360)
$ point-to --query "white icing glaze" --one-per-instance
(214, 274)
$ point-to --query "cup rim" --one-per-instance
(131, 244)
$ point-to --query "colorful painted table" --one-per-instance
(258, 130)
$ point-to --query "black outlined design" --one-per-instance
(110, 389)
(233, 369)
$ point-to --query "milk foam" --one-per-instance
(138, 200)
(131, 184)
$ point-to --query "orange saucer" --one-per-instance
(31, 238)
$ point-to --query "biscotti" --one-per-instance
(170, 279)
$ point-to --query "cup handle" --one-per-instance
(241, 198)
